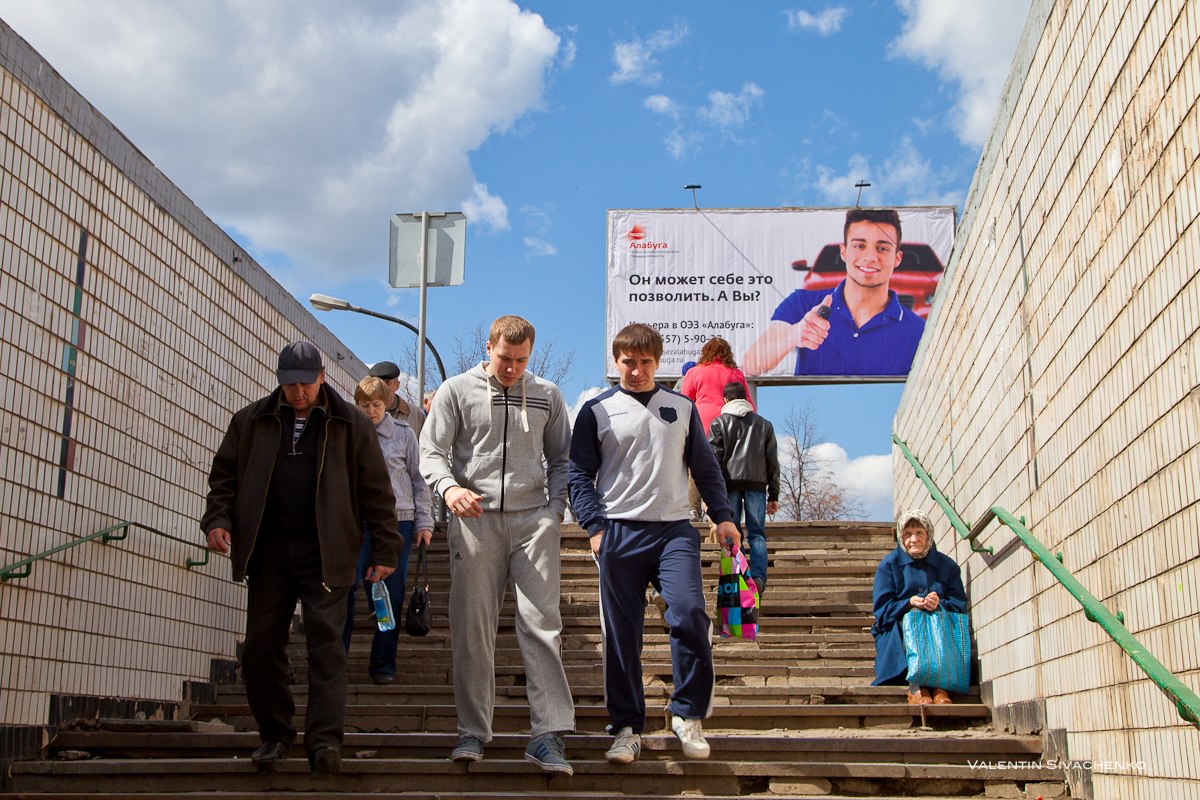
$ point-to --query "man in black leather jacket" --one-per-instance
(297, 478)
(744, 443)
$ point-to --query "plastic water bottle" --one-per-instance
(383, 606)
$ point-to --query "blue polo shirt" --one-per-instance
(885, 345)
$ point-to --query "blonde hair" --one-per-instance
(371, 388)
(512, 329)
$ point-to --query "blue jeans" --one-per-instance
(754, 506)
(383, 644)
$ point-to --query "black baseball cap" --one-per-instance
(385, 371)
(299, 362)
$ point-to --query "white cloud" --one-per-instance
(826, 22)
(726, 111)
(486, 208)
(635, 59)
(661, 104)
(971, 49)
(907, 177)
(538, 221)
(539, 247)
(681, 143)
(568, 50)
(866, 478)
(729, 111)
(307, 123)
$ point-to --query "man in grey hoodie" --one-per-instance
(744, 444)
(494, 448)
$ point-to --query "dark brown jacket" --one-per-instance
(353, 487)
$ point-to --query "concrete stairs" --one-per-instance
(795, 716)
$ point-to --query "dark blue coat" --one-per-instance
(897, 578)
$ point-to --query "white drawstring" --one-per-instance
(524, 413)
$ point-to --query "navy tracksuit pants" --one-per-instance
(632, 556)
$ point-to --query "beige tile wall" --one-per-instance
(1058, 378)
(174, 336)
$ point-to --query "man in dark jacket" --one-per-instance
(297, 476)
(744, 444)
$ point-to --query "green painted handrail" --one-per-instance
(113, 533)
(1186, 702)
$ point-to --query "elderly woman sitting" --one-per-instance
(914, 577)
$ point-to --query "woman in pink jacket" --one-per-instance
(705, 382)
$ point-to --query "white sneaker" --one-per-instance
(691, 736)
(626, 747)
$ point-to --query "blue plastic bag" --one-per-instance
(937, 645)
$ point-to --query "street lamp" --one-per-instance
(323, 302)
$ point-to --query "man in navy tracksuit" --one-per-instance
(631, 450)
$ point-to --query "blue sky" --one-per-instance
(301, 126)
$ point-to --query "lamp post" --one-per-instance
(323, 302)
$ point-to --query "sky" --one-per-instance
(301, 126)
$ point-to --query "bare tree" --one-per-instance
(806, 486)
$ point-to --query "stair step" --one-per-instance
(828, 694)
(824, 745)
(593, 718)
(664, 776)
(775, 794)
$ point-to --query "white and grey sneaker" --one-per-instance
(626, 747)
(691, 736)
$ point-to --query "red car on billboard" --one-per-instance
(914, 281)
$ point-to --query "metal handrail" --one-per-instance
(22, 568)
(1186, 702)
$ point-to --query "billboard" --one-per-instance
(801, 295)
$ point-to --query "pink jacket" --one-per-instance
(705, 385)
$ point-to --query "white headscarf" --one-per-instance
(921, 518)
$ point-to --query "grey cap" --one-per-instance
(299, 362)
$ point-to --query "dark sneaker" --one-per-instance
(549, 753)
(468, 749)
(382, 679)
(327, 761)
(268, 753)
(626, 747)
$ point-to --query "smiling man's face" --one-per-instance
(871, 253)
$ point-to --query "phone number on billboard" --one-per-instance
(685, 338)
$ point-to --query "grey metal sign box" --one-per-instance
(447, 250)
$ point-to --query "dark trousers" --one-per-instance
(383, 643)
(281, 572)
(666, 554)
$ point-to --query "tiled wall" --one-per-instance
(140, 352)
(1059, 379)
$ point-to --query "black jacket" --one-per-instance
(353, 489)
(745, 447)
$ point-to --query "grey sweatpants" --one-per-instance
(485, 554)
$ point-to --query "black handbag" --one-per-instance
(418, 620)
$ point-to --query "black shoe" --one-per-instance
(382, 679)
(268, 753)
(326, 761)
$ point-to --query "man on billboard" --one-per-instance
(857, 328)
